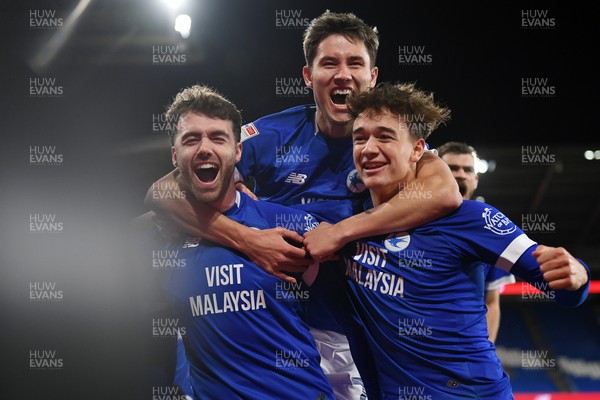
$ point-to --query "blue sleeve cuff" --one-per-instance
(575, 298)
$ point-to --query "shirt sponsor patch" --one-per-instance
(311, 222)
(498, 223)
(248, 131)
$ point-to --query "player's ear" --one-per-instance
(238, 152)
(374, 75)
(174, 157)
(418, 150)
(307, 76)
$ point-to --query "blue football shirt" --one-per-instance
(244, 332)
(294, 164)
(423, 317)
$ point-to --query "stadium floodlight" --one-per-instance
(183, 25)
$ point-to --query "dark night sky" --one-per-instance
(112, 89)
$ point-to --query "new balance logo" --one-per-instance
(296, 179)
(192, 242)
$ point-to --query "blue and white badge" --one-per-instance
(397, 242)
(498, 223)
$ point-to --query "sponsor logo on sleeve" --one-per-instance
(498, 223)
(248, 131)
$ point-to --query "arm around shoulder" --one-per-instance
(433, 194)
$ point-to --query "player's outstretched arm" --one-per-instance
(433, 194)
(267, 248)
(555, 271)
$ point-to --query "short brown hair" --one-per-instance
(205, 100)
(346, 24)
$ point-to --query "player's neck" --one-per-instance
(226, 201)
(379, 196)
(331, 129)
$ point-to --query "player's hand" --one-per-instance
(244, 189)
(561, 270)
(322, 242)
(166, 227)
(168, 187)
(270, 249)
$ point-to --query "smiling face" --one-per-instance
(385, 154)
(205, 151)
(341, 66)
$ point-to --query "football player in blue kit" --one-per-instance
(461, 158)
(424, 322)
(302, 157)
(244, 335)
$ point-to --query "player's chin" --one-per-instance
(207, 196)
(370, 182)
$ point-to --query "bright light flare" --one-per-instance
(173, 4)
(183, 25)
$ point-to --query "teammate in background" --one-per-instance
(244, 335)
(462, 158)
(424, 323)
(302, 157)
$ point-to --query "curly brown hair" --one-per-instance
(418, 109)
